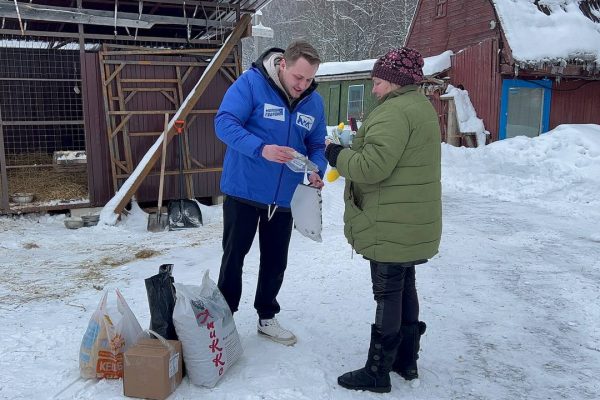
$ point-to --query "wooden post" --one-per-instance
(469, 140)
(87, 131)
(106, 94)
(125, 127)
(3, 175)
(119, 201)
(453, 136)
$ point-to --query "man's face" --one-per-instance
(296, 77)
(382, 87)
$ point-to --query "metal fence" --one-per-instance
(41, 123)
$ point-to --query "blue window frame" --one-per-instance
(525, 105)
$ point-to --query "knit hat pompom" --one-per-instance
(402, 66)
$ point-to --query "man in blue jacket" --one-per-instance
(270, 111)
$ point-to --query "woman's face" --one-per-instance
(382, 87)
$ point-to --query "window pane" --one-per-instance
(355, 101)
(525, 107)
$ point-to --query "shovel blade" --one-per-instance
(183, 214)
(158, 222)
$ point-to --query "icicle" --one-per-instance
(25, 26)
(115, 27)
(19, 16)
(187, 27)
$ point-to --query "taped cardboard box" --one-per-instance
(152, 370)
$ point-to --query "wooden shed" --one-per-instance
(346, 90)
(86, 85)
(346, 86)
(527, 66)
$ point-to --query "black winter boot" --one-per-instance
(408, 350)
(375, 376)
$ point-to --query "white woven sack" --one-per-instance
(205, 326)
(306, 210)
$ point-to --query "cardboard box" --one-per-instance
(151, 371)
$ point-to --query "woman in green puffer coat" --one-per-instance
(393, 211)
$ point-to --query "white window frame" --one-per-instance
(362, 102)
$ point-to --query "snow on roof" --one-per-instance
(433, 65)
(345, 67)
(437, 64)
(39, 44)
(565, 34)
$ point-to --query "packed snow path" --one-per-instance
(511, 305)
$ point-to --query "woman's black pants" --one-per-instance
(395, 292)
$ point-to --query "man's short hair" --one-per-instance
(301, 49)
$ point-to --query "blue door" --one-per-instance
(525, 107)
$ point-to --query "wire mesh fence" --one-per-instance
(41, 115)
(42, 122)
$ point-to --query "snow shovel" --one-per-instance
(183, 213)
(158, 222)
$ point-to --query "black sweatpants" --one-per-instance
(395, 292)
(240, 221)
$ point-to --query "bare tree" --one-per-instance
(341, 30)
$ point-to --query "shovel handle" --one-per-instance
(179, 124)
(162, 165)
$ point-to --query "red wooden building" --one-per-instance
(528, 67)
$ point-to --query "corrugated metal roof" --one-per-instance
(248, 5)
(168, 19)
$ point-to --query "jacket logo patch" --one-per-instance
(305, 121)
(274, 112)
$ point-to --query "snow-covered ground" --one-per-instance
(512, 301)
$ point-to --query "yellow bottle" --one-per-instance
(333, 173)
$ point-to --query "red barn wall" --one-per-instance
(204, 145)
(476, 69)
(466, 23)
(575, 102)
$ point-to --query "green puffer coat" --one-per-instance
(393, 206)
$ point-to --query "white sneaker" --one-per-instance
(271, 329)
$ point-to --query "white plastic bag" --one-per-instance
(301, 163)
(307, 211)
(104, 342)
(207, 331)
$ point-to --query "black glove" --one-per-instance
(332, 152)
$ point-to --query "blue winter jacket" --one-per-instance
(254, 113)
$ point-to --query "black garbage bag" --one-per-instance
(161, 299)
